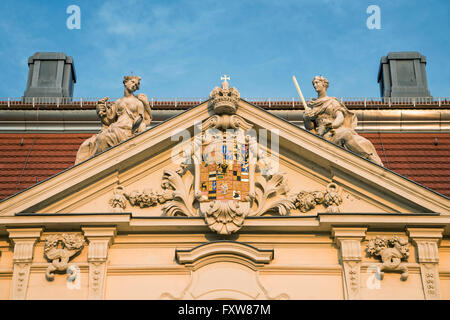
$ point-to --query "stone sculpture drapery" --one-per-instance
(329, 118)
(122, 119)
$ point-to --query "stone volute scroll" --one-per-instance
(121, 119)
(329, 118)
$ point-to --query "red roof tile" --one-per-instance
(41, 155)
(422, 157)
(27, 158)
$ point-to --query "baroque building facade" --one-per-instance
(224, 199)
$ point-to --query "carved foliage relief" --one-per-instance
(392, 252)
(59, 249)
(225, 176)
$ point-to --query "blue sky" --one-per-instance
(181, 48)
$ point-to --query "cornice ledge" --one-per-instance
(425, 233)
(24, 233)
(99, 232)
(347, 233)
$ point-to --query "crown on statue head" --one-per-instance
(224, 99)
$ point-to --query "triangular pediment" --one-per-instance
(307, 162)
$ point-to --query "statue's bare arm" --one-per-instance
(106, 111)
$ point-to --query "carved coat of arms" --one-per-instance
(224, 165)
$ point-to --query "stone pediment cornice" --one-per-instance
(341, 164)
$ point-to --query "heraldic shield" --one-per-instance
(225, 174)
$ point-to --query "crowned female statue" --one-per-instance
(121, 119)
(330, 119)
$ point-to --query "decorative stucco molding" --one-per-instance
(238, 249)
(72, 244)
(234, 264)
(427, 242)
(24, 241)
(391, 251)
(100, 239)
(308, 200)
(349, 242)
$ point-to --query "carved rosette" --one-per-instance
(430, 280)
(22, 272)
(71, 244)
(391, 252)
(96, 273)
(352, 275)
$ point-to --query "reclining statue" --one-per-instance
(330, 119)
(121, 119)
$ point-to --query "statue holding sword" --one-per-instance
(329, 118)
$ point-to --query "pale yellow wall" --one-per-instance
(391, 287)
(41, 289)
(305, 266)
(144, 285)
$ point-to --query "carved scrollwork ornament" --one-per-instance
(71, 244)
(391, 251)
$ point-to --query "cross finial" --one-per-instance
(225, 84)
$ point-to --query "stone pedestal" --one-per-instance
(403, 74)
(51, 75)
